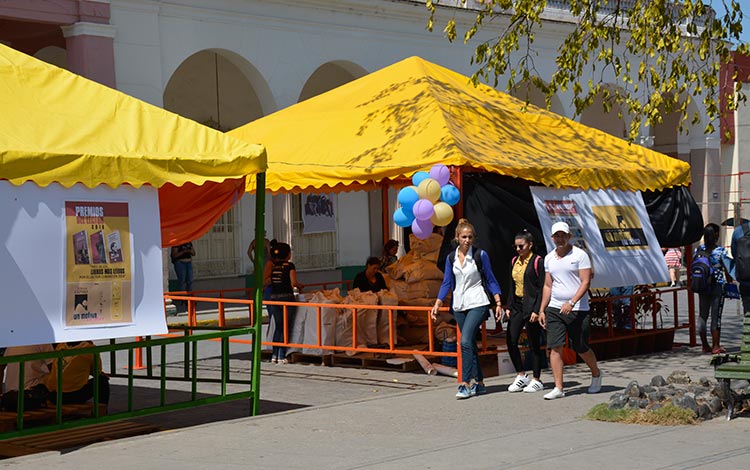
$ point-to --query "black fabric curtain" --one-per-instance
(675, 216)
(501, 206)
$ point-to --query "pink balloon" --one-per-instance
(440, 173)
(421, 228)
(423, 209)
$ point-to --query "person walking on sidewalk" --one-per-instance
(524, 299)
(673, 258)
(712, 301)
(467, 272)
(565, 307)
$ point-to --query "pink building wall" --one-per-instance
(79, 26)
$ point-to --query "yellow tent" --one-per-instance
(58, 127)
(414, 114)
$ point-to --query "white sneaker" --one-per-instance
(534, 386)
(596, 383)
(555, 393)
(519, 384)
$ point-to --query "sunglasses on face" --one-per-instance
(520, 247)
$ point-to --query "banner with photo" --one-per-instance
(318, 214)
(98, 287)
(79, 263)
(612, 226)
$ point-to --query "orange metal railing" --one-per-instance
(220, 299)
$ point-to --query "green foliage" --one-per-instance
(648, 57)
(667, 415)
(602, 412)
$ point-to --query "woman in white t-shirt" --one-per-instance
(565, 307)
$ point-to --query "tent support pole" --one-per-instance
(384, 203)
(458, 180)
(260, 218)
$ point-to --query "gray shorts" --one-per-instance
(575, 325)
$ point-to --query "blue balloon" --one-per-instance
(408, 196)
(403, 218)
(450, 194)
(419, 177)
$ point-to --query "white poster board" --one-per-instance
(43, 274)
(318, 214)
(612, 226)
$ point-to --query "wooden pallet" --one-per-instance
(300, 358)
(46, 415)
(370, 361)
(72, 438)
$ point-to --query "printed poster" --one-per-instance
(564, 210)
(98, 275)
(620, 227)
(612, 226)
(318, 215)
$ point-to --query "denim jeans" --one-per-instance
(276, 312)
(469, 322)
(184, 272)
(711, 303)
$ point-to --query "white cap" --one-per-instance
(560, 227)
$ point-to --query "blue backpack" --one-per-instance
(702, 278)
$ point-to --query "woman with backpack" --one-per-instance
(711, 291)
(281, 276)
(467, 272)
(524, 300)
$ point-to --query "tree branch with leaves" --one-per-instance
(647, 58)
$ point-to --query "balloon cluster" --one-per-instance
(428, 202)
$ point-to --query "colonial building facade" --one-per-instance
(227, 62)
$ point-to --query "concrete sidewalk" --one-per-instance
(428, 428)
(336, 418)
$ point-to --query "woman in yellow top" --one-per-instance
(526, 283)
(78, 375)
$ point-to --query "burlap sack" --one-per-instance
(386, 297)
(422, 270)
(367, 319)
(327, 318)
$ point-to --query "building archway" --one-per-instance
(54, 55)
(595, 116)
(222, 90)
(527, 91)
(212, 88)
(329, 76)
(315, 251)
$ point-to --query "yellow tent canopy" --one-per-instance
(414, 114)
(58, 127)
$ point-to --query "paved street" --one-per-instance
(336, 418)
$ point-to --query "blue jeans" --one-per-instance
(711, 303)
(469, 322)
(184, 272)
(276, 312)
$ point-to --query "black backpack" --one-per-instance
(742, 255)
(701, 273)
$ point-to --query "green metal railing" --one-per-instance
(190, 340)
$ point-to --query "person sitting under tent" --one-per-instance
(78, 375)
